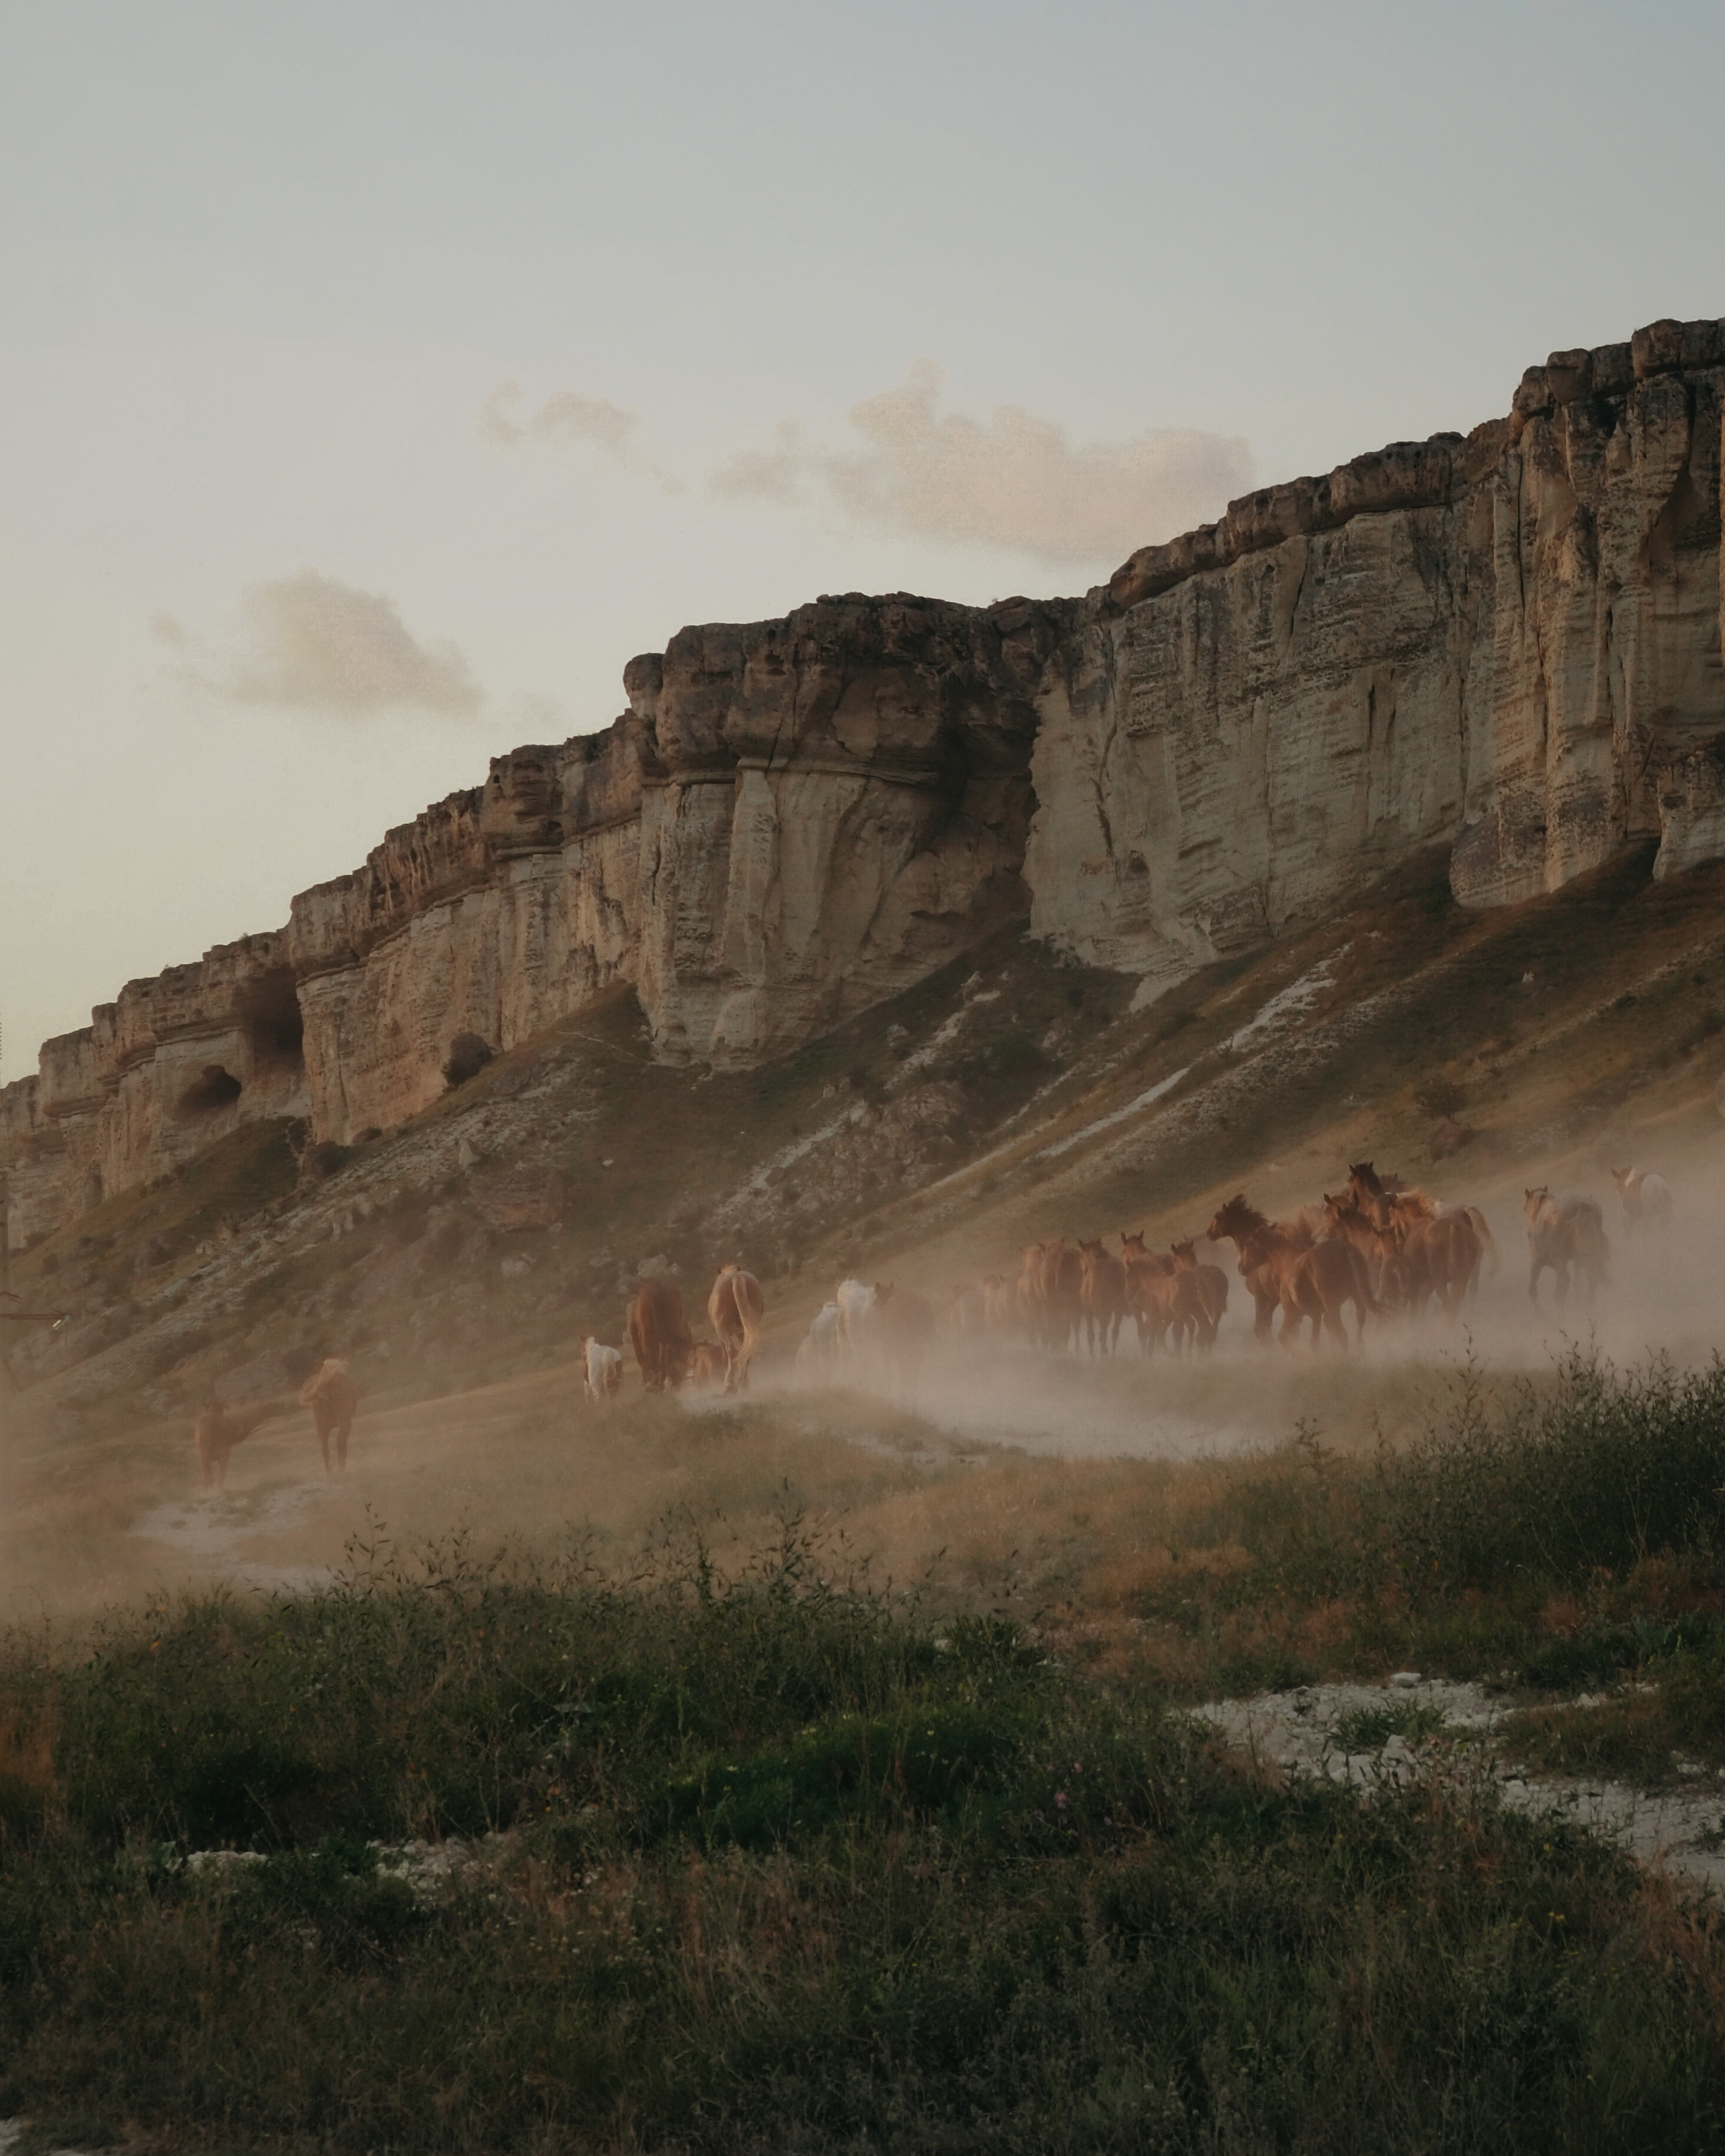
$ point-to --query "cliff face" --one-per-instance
(838, 802)
(1510, 642)
(157, 1076)
(793, 819)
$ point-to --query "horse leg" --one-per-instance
(341, 1437)
(323, 1429)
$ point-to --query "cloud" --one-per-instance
(770, 475)
(568, 420)
(1013, 480)
(310, 641)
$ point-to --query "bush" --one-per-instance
(1441, 1097)
(1604, 1472)
(790, 1870)
(469, 1055)
(324, 1160)
(788, 1866)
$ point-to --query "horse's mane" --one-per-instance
(1243, 1215)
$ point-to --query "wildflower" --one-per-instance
(1059, 1800)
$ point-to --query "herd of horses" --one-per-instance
(1377, 1247)
(666, 1351)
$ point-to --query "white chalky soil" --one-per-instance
(1298, 1730)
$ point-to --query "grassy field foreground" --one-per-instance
(780, 1861)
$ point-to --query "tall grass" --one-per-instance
(1594, 1475)
(778, 1861)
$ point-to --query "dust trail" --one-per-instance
(1662, 1298)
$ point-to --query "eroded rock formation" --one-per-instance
(158, 1075)
(1510, 641)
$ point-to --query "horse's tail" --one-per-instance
(1484, 1233)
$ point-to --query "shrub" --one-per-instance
(790, 1870)
(324, 1160)
(1605, 1472)
(1441, 1097)
(469, 1055)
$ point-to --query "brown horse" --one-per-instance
(1154, 1296)
(1562, 1232)
(329, 1393)
(1263, 1278)
(1379, 1244)
(1392, 1205)
(1051, 1293)
(1102, 1294)
(659, 1335)
(1442, 1255)
(735, 1309)
(219, 1429)
(1315, 1280)
(1207, 1285)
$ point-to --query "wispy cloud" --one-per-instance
(311, 642)
(568, 419)
(1013, 480)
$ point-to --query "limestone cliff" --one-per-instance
(1509, 642)
(158, 1074)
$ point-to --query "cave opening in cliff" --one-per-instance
(275, 1029)
(216, 1089)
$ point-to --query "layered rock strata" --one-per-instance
(1509, 642)
(158, 1075)
(793, 820)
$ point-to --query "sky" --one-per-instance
(378, 378)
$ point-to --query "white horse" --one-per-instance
(855, 1300)
(1646, 1198)
(604, 1376)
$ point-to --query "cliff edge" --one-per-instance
(1508, 642)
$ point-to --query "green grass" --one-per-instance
(1369, 1729)
(784, 1863)
(1557, 1538)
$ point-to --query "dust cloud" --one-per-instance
(984, 1457)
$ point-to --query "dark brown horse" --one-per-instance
(1315, 1280)
(1102, 1293)
(1208, 1287)
(659, 1334)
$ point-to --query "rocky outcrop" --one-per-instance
(1509, 642)
(837, 802)
(793, 820)
(158, 1075)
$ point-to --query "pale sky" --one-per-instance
(378, 378)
